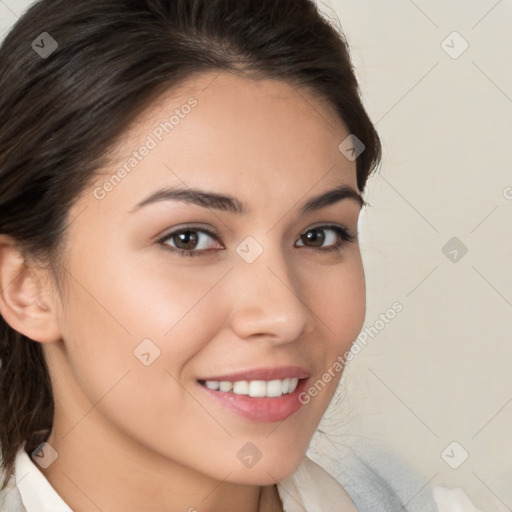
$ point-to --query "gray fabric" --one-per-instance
(371, 491)
(378, 480)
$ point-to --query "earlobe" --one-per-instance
(25, 303)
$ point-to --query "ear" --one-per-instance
(25, 303)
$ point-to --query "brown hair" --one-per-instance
(61, 113)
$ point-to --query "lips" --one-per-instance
(257, 408)
(266, 374)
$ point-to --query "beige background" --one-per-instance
(440, 371)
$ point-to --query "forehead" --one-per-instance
(224, 131)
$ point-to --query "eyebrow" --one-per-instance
(233, 205)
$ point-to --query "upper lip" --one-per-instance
(263, 373)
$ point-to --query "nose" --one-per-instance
(268, 301)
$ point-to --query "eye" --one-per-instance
(335, 241)
(192, 241)
(188, 241)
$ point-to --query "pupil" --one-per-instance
(316, 237)
(187, 240)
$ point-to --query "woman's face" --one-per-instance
(258, 295)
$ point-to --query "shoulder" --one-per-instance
(376, 479)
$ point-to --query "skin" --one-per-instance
(133, 437)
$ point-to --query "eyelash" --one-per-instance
(343, 234)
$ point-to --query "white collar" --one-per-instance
(36, 491)
(313, 489)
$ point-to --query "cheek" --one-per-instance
(341, 308)
(338, 298)
(136, 326)
(127, 343)
(159, 297)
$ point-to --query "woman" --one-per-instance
(180, 186)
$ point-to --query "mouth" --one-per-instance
(258, 399)
(254, 388)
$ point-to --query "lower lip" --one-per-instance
(260, 408)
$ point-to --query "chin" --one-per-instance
(271, 471)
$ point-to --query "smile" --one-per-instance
(257, 400)
(254, 388)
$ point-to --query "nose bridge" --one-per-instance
(267, 300)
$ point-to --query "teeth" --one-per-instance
(225, 386)
(255, 388)
(241, 387)
(274, 388)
